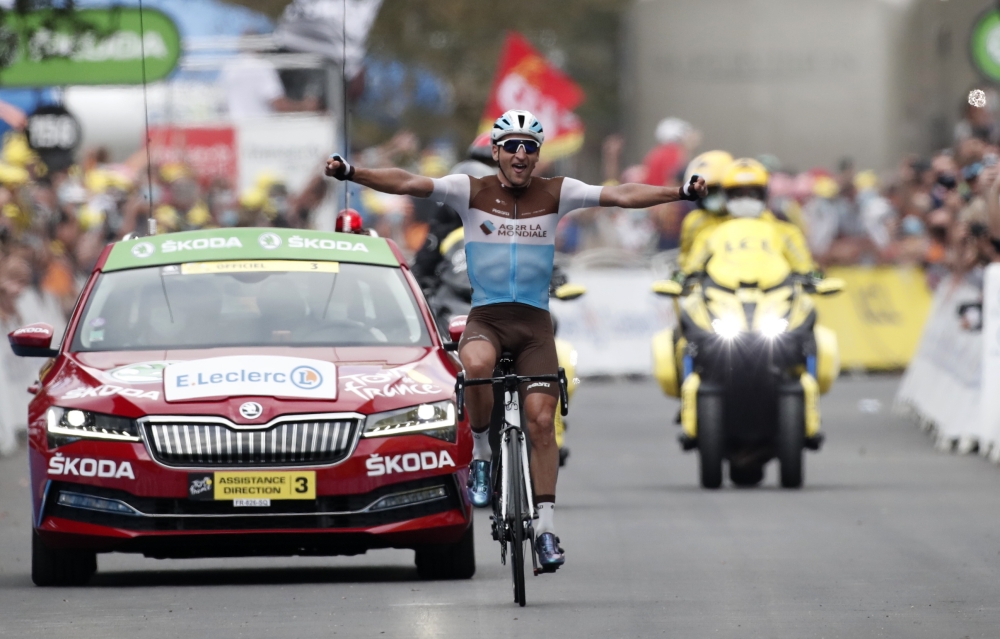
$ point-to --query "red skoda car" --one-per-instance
(246, 392)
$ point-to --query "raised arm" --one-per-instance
(641, 196)
(395, 181)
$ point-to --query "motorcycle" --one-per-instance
(747, 360)
(452, 297)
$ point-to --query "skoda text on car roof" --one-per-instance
(247, 392)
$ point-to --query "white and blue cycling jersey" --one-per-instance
(510, 233)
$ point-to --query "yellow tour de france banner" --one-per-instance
(879, 317)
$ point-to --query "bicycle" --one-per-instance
(513, 495)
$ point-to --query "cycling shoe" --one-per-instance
(550, 555)
(479, 483)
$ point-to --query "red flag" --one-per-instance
(526, 80)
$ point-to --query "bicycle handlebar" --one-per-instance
(512, 382)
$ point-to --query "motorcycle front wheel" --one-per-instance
(711, 439)
(791, 438)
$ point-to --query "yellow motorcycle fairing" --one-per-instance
(567, 360)
(827, 358)
(746, 252)
(665, 358)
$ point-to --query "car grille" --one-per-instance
(293, 442)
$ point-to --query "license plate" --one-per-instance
(252, 485)
(251, 503)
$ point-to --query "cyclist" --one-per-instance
(711, 210)
(744, 183)
(510, 220)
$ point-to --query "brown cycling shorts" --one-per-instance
(524, 331)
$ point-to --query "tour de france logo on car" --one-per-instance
(306, 377)
(143, 249)
(243, 375)
(269, 241)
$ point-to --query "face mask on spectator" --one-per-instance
(745, 207)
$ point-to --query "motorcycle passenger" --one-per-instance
(510, 220)
(711, 210)
(744, 183)
(427, 261)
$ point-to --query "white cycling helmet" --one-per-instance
(517, 122)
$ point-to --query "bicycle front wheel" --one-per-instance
(515, 513)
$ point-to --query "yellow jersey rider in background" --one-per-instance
(744, 183)
(711, 210)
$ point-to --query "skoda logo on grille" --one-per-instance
(251, 410)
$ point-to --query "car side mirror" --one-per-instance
(570, 291)
(456, 327)
(829, 286)
(667, 288)
(33, 340)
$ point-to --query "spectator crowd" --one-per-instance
(939, 212)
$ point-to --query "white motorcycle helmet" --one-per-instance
(517, 122)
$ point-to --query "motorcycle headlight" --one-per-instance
(73, 422)
(435, 420)
(771, 327)
(727, 327)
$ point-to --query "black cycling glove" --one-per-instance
(346, 171)
(687, 191)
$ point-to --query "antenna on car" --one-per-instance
(145, 109)
(343, 79)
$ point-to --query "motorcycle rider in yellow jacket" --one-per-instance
(744, 183)
(711, 211)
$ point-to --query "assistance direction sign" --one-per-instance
(93, 46)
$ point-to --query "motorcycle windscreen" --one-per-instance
(747, 253)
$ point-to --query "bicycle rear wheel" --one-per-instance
(515, 513)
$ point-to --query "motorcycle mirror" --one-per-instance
(667, 288)
(830, 286)
(456, 327)
(570, 291)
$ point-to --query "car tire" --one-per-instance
(791, 438)
(52, 567)
(711, 439)
(451, 561)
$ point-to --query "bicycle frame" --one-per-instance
(513, 456)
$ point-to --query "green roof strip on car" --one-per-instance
(249, 243)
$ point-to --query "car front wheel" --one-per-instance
(450, 561)
(57, 567)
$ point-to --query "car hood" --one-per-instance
(367, 380)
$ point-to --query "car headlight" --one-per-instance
(771, 327)
(72, 422)
(727, 327)
(436, 420)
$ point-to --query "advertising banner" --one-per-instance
(526, 80)
(209, 151)
(293, 147)
(879, 317)
(246, 375)
(943, 383)
(612, 326)
(87, 46)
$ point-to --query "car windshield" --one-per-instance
(255, 303)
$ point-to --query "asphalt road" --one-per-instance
(888, 539)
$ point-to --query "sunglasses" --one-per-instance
(512, 146)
